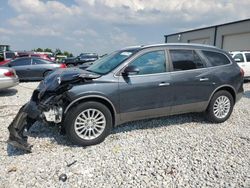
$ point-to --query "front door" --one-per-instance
(148, 93)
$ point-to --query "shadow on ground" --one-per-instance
(7, 92)
(247, 94)
(40, 130)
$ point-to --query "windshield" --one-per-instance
(109, 62)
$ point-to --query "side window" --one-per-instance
(151, 62)
(9, 55)
(21, 62)
(247, 57)
(38, 61)
(239, 58)
(216, 59)
(185, 60)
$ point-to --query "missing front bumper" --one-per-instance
(26, 117)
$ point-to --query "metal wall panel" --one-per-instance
(236, 42)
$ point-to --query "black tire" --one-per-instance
(46, 73)
(210, 114)
(73, 113)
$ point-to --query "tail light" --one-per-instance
(63, 66)
(242, 73)
(9, 74)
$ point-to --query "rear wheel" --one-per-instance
(46, 73)
(220, 107)
(88, 123)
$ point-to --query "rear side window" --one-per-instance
(185, 60)
(216, 59)
(40, 62)
(247, 57)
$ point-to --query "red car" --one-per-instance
(32, 54)
(6, 56)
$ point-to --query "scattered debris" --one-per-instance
(12, 169)
(63, 177)
(70, 164)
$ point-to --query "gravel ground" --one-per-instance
(177, 151)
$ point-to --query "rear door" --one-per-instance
(191, 81)
(22, 67)
(147, 94)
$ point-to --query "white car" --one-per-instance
(243, 60)
(8, 78)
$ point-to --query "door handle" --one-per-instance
(164, 84)
(204, 79)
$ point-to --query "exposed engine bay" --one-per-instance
(46, 104)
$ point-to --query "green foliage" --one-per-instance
(39, 50)
(56, 52)
(48, 50)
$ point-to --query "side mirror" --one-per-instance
(237, 60)
(130, 70)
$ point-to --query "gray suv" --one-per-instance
(131, 84)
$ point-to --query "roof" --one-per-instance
(179, 44)
(173, 45)
(209, 27)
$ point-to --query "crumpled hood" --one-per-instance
(62, 78)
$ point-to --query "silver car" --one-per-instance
(8, 78)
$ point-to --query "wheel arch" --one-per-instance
(96, 98)
(228, 88)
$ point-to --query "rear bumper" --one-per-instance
(8, 82)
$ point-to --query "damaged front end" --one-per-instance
(46, 104)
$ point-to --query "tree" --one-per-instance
(68, 54)
(58, 52)
(48, 50)
(39, 50)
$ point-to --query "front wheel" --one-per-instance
(220, 107)
(88, 123)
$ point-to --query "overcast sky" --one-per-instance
(105, 25)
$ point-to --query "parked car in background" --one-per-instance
(6, 56)
(60, 58)
(8, 78)
(32, 68)
(136, 83)
(81, 59)
(33, 54)
(85, 65)
(243, 60)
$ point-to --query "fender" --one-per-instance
(218, 88)
(91, 96)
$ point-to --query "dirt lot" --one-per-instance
(178, 151)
